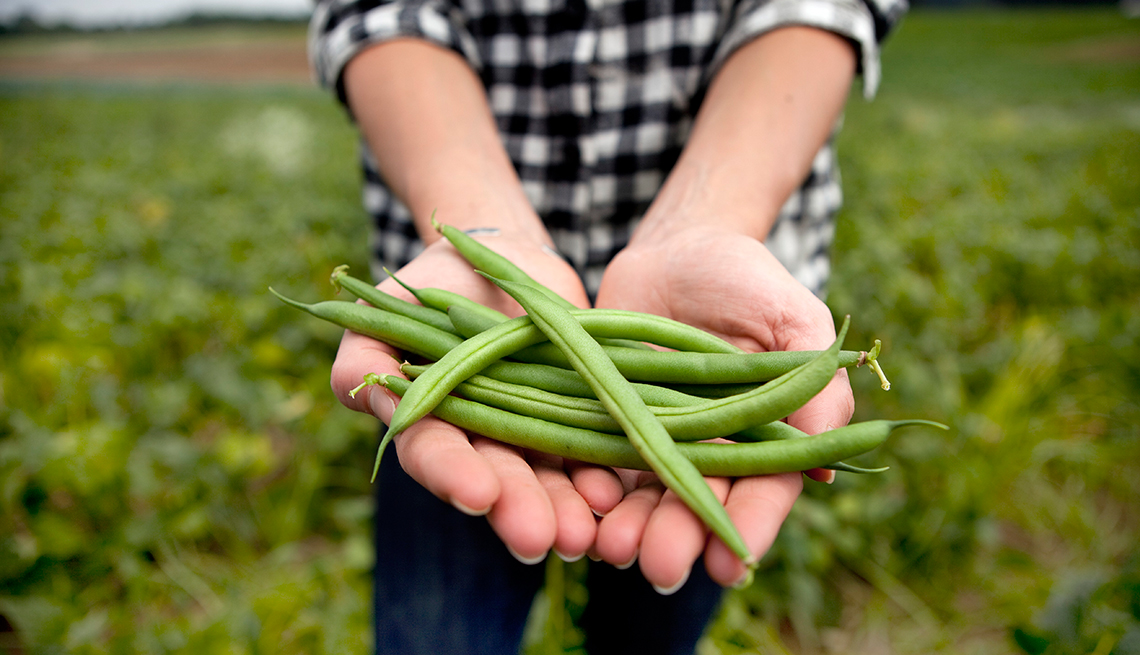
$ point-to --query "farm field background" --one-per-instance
(175, 475)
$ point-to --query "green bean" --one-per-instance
(445, 300)
(402, 333)
(562, 382)
(588, 413)
(778, 431)
(711, 368)
(398, 331)
(585, 413)
(712, 459)
(716, 368)
(442, 300)
(377, 298)
(417, 338)
(500, 341)
(414, 337)
(470, 318)
(710, 391)
(644, 431)
(816, 451)
(485, 259)
(694, 361)
(694, 421)
(540, 376)
(458, 364)
(618, 324)
(770, 402)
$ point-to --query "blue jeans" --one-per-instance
(444, 583)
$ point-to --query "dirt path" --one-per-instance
(209, 55)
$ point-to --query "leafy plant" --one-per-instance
(175, 477)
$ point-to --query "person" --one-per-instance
(666, 156)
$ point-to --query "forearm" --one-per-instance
(424, 115)
(767, 113)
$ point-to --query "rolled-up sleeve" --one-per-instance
(866, 23)
(341, 29)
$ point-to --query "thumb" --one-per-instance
(831, 408)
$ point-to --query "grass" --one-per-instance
(176, 477)
(989, 238)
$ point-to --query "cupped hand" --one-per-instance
(730, 285)
(534, 502)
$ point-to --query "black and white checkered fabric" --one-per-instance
(594, 100)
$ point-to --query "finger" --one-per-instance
(674, 538)
(812, 328)
(599, 486)
(541, 263)
(620, 532)
(523, 516)
(576, 526)
(821, 475)
(831, 408)
(440, 457)
(434, 453)
(356, 356)
(758, 506)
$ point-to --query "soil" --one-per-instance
(107, 58)
(1102, 51)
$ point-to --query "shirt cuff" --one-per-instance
(849, 18)
(338, 31)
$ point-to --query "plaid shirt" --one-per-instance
(594, 100)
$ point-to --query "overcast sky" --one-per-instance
(104, 13)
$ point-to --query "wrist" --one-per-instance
(480, 214)
(768, 111)
(691, 201)
(424, 115)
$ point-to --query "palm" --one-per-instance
(732, 286)
(533, 502)
(726, 284)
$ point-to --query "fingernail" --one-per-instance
(626, 565)
(745, 580)
(526, 560)
(566, 558)
(830, 479)
(467, 510)
(483, 232)
(385, 402)
(668, 591)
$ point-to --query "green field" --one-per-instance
(175, 475)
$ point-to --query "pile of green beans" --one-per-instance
(585, 384)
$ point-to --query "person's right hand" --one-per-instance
(534, 502)
(730, 285)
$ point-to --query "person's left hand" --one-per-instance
(534, 502)
(730, 285)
